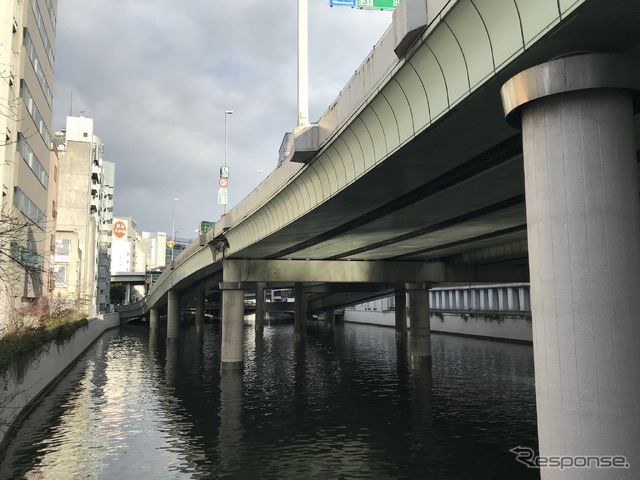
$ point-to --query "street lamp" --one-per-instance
(173, 225)
(303, 64)
(226, 112)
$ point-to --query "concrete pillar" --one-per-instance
(153, 317)
(522, 300)
(401, 313)
(127, 294)
(420, 324)
(512, 299)
(232, 354)
(259, 322)
(484, 299)
(525, 303)
(583, 228)
(502, 299)
(300, 315)
(330, 318)
(200, 299)
(493, 298)
(173, 314)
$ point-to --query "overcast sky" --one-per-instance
(157, 75)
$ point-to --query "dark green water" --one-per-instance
(344, 404)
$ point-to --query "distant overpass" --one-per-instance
(128, 279)
(134, 278)
(482, 140)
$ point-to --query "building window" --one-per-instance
(37, 66)
(34, 164)
(60, 275)
(63, 250)
(28, 101)
(43, 30)
(28, 208)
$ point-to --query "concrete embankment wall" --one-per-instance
(502, 325)
(24, 383)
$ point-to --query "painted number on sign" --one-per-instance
(223, 182)
(379, 4)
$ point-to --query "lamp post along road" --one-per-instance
(303, 64)
(227, 112)
(173, 225)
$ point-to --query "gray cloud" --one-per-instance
(157, 76)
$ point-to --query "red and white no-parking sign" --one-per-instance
(223, 182)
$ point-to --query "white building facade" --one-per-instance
(27, 41)
(82, 260)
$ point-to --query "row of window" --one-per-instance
(35, 114)
(27, 207)
(37, 66)
(52, 13)
(34, 164)
(43, 30)
(27, 257)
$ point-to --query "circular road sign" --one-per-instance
(223, 182)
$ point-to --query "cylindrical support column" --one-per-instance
(583, 228)
(300, 315)
(200, 299)
(259, 322)
(232, 355)
(458, 300)
(153, 317)
(420, 340)
(512, 299)
(401, 313)
(330, 318)
(173, 314)
(127, 294)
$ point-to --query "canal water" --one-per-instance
(343, 404)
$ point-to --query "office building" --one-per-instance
(82, 258)
(27, 39)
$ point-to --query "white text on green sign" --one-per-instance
(379, 4)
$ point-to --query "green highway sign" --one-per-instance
(378, 4)
(204, 226)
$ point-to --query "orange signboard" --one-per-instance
(119, 229)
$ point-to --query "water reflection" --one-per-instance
(231, 432)
(343, 403)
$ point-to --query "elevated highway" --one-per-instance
(414, 176)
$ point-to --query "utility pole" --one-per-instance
(303, 64)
